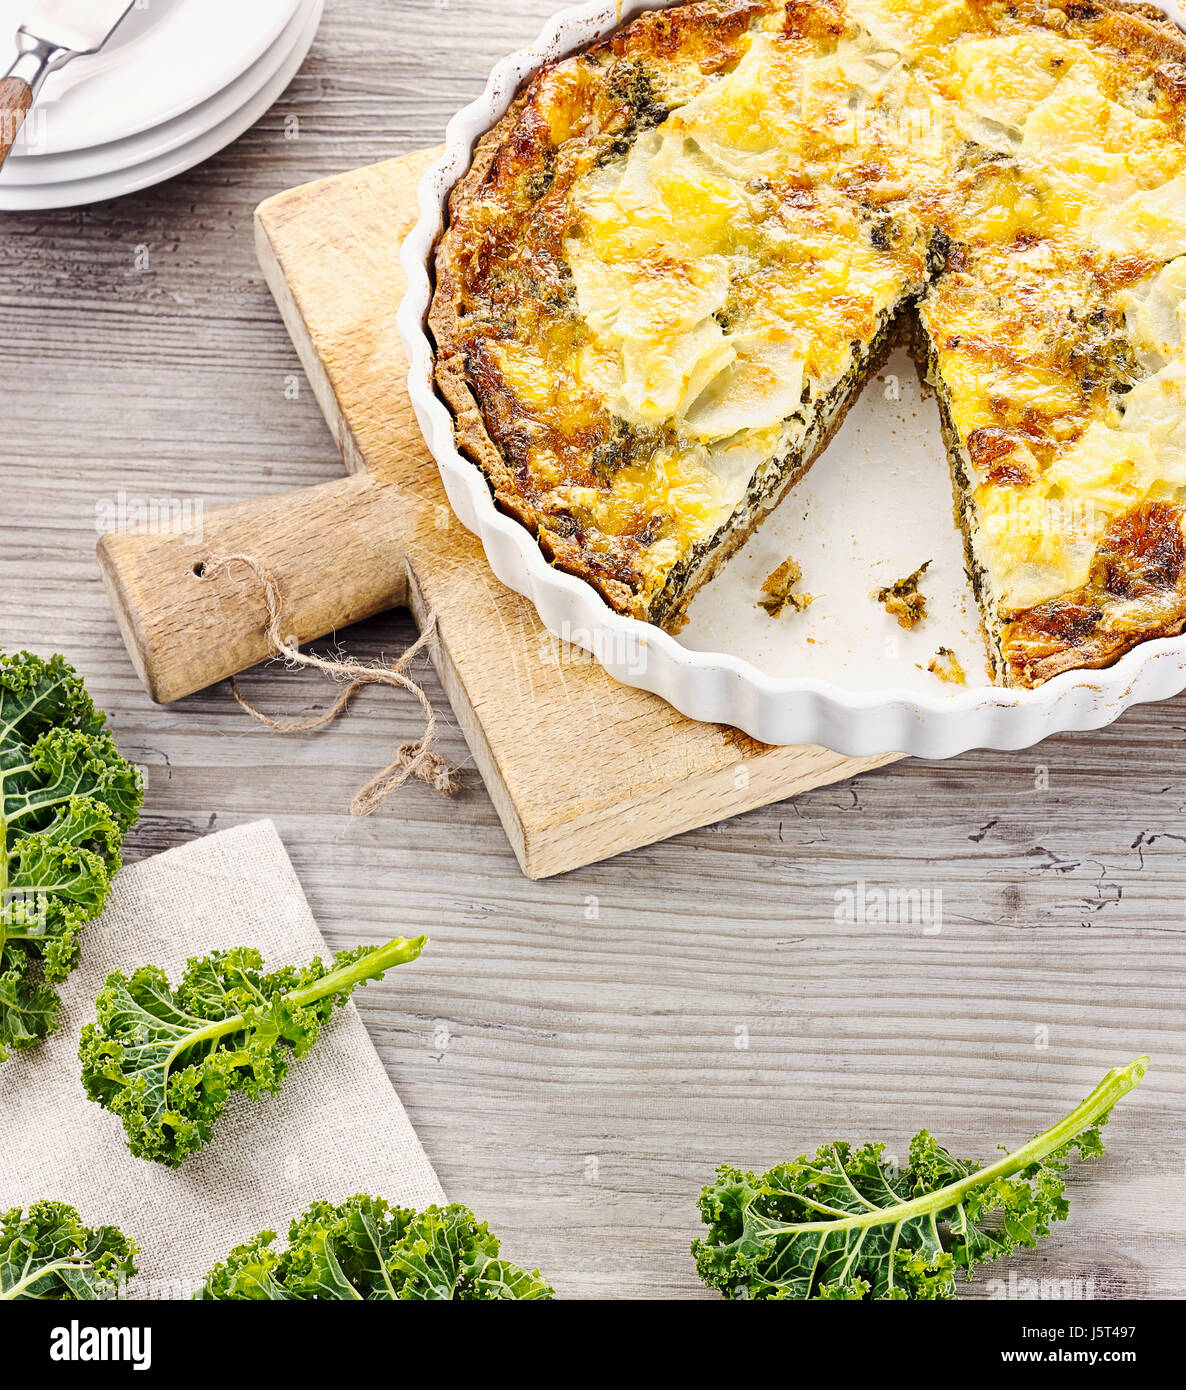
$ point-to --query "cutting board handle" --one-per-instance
(337, 552)
(16, 97)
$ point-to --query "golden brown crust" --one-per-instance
(1097, 656)
(471, 433)
(1131, 25)
(1141, 561)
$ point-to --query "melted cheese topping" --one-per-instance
(1155, 311)
(730, 261)
(726, 282)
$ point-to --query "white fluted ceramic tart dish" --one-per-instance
(666, 298)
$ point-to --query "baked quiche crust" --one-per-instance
(677, 258)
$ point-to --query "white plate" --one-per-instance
(165, 58)
(204, 144)
(100, 160)
(859, 694)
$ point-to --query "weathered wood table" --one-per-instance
(578, 1054)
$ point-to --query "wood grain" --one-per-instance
(336, 552)
(570, 1050)
(16, 98)
(528, 704)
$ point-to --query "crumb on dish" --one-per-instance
(779, 589)
(903, 599)
(945, 664)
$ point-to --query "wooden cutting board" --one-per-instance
(579, 767)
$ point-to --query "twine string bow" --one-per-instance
(414, 759)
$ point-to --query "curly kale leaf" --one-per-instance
(847, 1224)
(365, 1249)
(50, 1255)
(166, 1061)
(67, 798)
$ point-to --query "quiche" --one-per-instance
(681, 253)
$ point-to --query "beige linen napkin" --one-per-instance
(337, 1127)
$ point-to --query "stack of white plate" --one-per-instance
(175, 83)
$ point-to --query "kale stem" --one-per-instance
(33, 1273)
(345, 977)
(397, 952)
(1118, 1082)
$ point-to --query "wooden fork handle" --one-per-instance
(16, 96)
